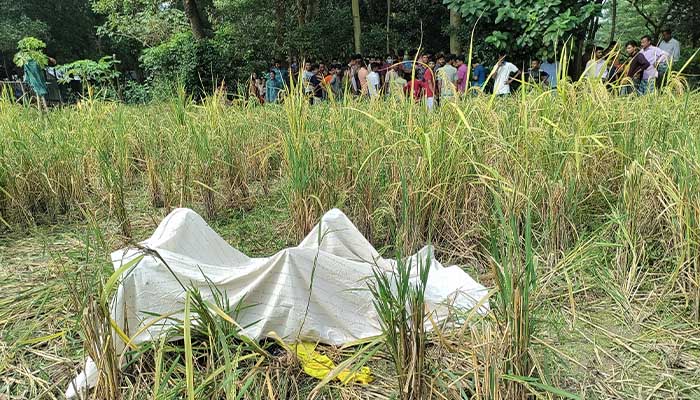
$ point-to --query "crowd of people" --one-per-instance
(441, 77)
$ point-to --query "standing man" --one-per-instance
(461, 74)
(440, 61)
(272, 88)
(596, 66)
(551, 67)
(478, 74)
(391, 74)
(670, 45)
(422, 66)
(535, 75)
(279, 73)
(637, 65)
(397, 83)
(374, 82)
(447, 78)
(504, 72)
(32, 60)
(428, 80)
(362, 74)
(658, 60)
(351, 73)
(306, 78)
(316, 84)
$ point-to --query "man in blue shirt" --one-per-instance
(478, 75)
(279, 71)
(550, 67)
(272, 88)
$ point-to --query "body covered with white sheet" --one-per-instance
(314, 292)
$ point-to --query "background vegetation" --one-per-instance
(201, 42)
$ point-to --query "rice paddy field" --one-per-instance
(579, 209)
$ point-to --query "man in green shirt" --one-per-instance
(31, 58)
(34, 76)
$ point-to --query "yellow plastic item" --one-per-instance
(319, 366)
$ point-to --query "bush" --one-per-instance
(136, 93)
(198, 64)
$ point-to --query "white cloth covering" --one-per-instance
(274, 291)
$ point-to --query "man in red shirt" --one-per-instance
(428, 82)
(414, 88)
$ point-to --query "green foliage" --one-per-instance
(529, 25)
(15, 24)
(101, 72)
(197, 64)
(30, 44)
(135, 93)
(67, 27)
(30, 49)
(150, 23)
(682, 16)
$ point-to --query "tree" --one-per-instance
(356, 27)
(686, 20)
(649, 17)
(455, 20)
(148, 22)
(529, 24)
(613, 18)
(655, 14)
(532, 27)
(199, 21)
(15, 23)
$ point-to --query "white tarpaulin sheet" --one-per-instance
(277, 293)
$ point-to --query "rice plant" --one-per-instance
(578, 207)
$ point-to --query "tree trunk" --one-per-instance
(455, 21)
(279, 23)
(356, 25)
(197, 22)
(388, 32)
(301, 12)
(613, 20)
(580, 46)
(592, 31)
(314, 6)
(8, 75)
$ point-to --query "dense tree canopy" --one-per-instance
(532, 26)
(68, 26)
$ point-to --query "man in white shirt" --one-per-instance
(595, 67)
(447, 78)
(373, 80)
(306, 77)
(670, 45)
(503, 73)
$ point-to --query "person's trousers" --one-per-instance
(663, 75)
(646, 86)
